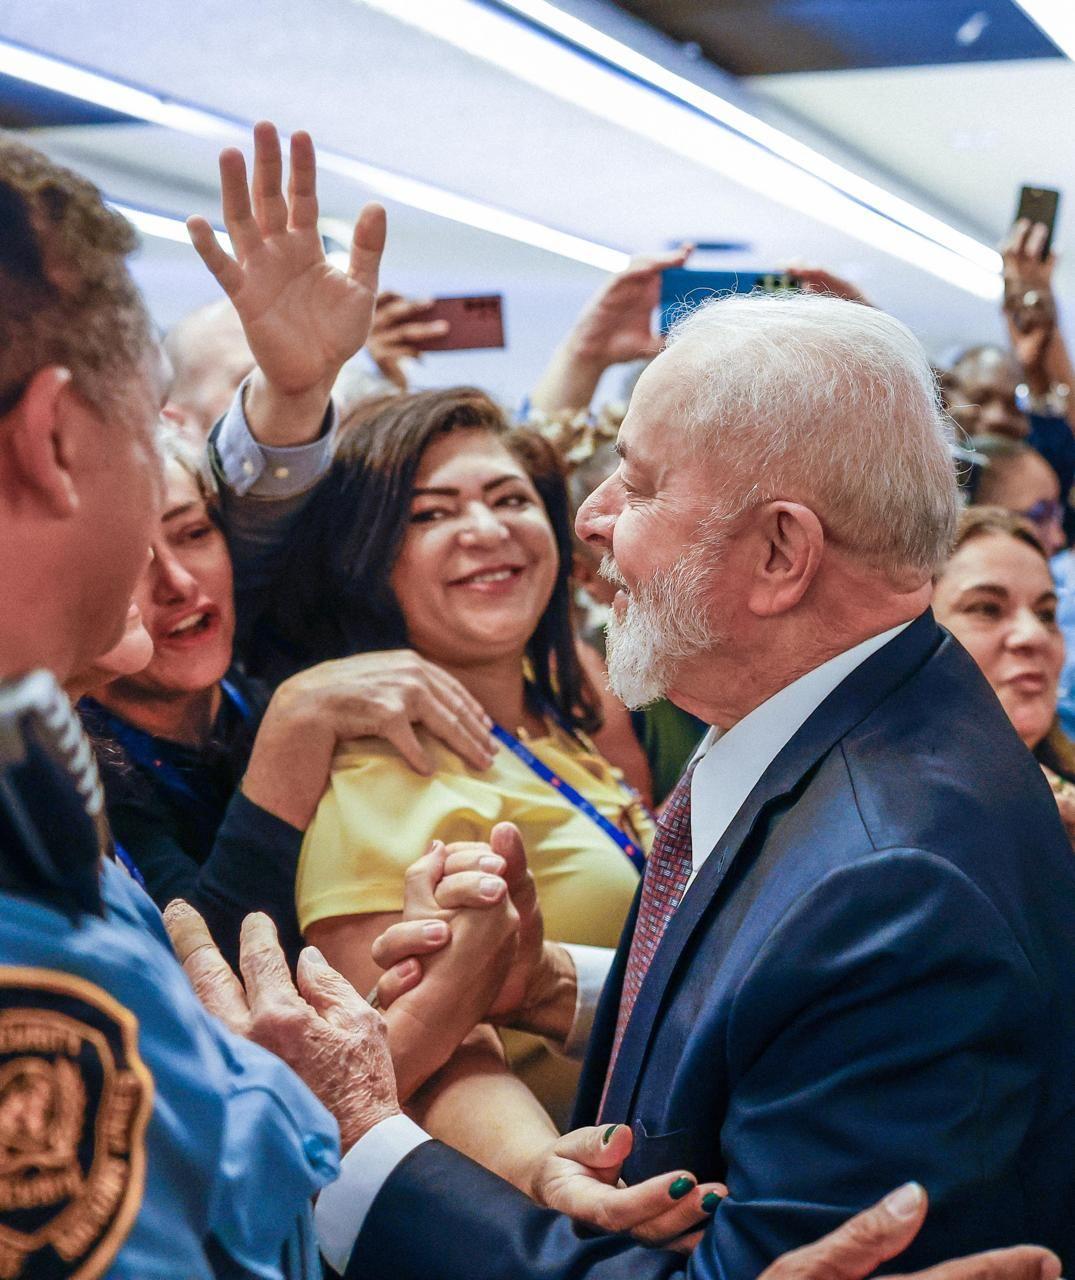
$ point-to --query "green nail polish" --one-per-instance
(606, 1137)
(710, 1201)
(679, 1188)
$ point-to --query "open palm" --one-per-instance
(302, 317)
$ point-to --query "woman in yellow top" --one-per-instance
(443, 529)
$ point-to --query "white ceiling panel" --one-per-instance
(378, 90)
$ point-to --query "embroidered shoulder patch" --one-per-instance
(75, 1099)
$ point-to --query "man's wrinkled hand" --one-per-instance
(856, 1249)
(580, 1176)
(322, 1029)
(212, 978)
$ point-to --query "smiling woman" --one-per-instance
(442, 528)
(996, 596)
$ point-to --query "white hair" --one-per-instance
(831, 403)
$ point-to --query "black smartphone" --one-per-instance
(1039, 204)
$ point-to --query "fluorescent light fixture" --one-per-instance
(1056, 19)
(105, 91)
(609, 79)
(161, 226)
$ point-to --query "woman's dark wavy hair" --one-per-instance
(333, 597)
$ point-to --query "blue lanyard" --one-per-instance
(143, 749)
(123, 856)
(634, 854)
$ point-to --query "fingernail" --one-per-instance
(491, 863)
(606, 1137)
(490, 887)
(406, 968)
(710, 1201)
(435, 930)
(680, 1187)
(316, 955)
(905, 1201)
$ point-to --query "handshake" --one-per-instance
(470, 949)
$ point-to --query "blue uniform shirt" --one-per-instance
(138, 1137)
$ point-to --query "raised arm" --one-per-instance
(302, 317)
(614, 327)
(1030, 312)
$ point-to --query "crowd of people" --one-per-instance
(568, 839)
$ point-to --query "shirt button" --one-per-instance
(248, 468)
(316, 1152)
(281, 473)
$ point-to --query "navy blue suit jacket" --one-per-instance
(871, 980)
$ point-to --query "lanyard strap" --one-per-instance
(123, 856)
(143, 748)
(631, 850)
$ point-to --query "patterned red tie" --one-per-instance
(668, 869)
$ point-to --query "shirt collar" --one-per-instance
(731, 764)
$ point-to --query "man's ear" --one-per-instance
(790, 545)
(38, 442)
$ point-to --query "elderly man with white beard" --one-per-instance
(848, 965)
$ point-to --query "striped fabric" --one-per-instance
(668, 869)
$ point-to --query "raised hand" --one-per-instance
(302, 317)
(400, 327)
(614, 327)
(1029, 306)
(818, 280)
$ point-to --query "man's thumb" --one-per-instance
(865, 1241)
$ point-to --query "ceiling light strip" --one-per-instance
(622, 56)
(140, 104)
(555, 67)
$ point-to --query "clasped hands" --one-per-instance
(338, 1045)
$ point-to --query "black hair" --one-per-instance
(333, 597)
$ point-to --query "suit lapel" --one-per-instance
(849, 703)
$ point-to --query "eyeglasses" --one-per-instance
(1047, 511)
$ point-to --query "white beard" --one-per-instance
(665, 624)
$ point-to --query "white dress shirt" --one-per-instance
(730, 765)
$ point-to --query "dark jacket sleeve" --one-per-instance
(442, 1215)
(251, 867)
(885, 1032)
(146, 830)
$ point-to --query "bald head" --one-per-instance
(210, 357)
